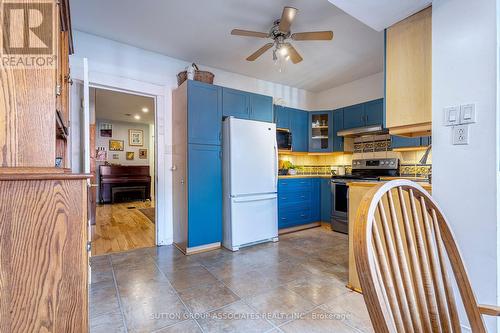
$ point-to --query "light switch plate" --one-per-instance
(452, 116)
(461, 135)
(467, 114)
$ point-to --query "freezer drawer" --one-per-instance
(254, 219)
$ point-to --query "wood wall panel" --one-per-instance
(43, 271)
(409, 74)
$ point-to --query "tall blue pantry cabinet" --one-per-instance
(197, 166)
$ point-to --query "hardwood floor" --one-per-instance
(122, 228)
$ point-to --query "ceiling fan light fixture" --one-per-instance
(283, 51)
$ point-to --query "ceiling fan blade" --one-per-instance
(313, 35)
(287, 18)
(260, 52)
(295, 57)
(248, 33)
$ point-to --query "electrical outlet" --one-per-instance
(461, 135)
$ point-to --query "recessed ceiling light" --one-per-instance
(137, 117)
(145, 110)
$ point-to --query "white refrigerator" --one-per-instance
(250, 180)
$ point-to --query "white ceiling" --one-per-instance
(381, 14)
(117, 106)
(199, 30)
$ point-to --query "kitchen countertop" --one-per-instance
(303, 176)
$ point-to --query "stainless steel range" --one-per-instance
(362, 170)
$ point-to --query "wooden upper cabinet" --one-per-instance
(409, 75)
(32, 95)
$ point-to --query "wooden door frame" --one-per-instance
(163, 116)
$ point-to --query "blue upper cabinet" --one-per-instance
(405, 142)
(364, 114)
(204, 113)
(338, 125)
(320, 131)
(374, 112)
(354, 116)
(298, 126)
(261, 107)
(245, 105)
(204, 195)
(235, 103)
(281, 117)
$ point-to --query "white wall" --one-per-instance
(110, 57)
(359, 91)
(120, 132)
(464, 56)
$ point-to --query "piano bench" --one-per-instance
(138, 190)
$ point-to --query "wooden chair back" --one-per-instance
(403, 246)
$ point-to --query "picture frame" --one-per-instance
(116, 156)
(136, 137)
(130, 155)
(143, 154)
(116, 145)
(106, 130)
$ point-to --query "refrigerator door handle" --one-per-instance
(252, 199)
(275, 166)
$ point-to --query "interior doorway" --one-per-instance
(122, 147)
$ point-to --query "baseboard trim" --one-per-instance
(202, 248)
(299, 227)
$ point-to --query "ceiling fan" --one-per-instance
(280, 33)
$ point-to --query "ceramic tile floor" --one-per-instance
(294, 285)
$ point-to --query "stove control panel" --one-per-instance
(376, 163)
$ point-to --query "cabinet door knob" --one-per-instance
(173, 168)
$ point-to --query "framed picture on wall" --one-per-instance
(143, 154)
(130, 155)
(116, 156)
(135, 137)
(116, 145)
(106, 130)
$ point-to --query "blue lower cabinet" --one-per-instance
(326, 200)
(299, 201)
(316, 200)
(204, 195)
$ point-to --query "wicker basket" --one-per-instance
(203, 76)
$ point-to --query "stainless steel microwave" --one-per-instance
(284, 139)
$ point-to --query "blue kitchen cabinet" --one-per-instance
(316, 200)
(354, 116)
(204, 195)
(326, 200)
(320, 131)
(374, 112)
(245, 105)
(281, 117)
(364, 114)
(204, 102)
(261, 107)
(338, 125)
(299, 201)
(405, 142)
(298, 126)
(235, 103)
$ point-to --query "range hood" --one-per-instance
(361, 131)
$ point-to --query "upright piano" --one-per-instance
(132, 180)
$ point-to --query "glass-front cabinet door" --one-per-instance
(320, 131)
